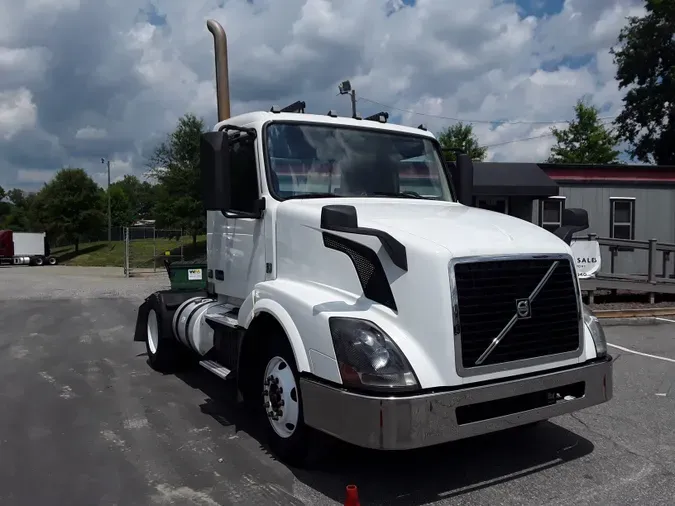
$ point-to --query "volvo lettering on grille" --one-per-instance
(523, 312)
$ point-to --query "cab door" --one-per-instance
(238, 245)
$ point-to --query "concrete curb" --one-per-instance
(636, 313)
(615, 322)
(613, 317)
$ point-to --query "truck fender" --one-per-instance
(281, 315)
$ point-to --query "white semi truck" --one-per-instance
(353, 290)
(25, 248)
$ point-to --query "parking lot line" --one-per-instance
(664, 319)
(628, 350)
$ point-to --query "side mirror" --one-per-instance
(214, 165)
(464, 179)
(575, 217)
(573, 220)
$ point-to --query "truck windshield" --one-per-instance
(316, 160)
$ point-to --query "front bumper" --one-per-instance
(398, 423)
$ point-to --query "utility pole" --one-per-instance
(345, 88)
(103, 160)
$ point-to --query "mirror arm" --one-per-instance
(244, 130)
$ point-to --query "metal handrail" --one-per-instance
(652, 246)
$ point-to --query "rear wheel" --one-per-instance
(288, 436)
(165, 354)
(51, 261)
(38, 261)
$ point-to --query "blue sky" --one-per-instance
(85, 79)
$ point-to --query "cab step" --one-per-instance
(228, 320)
(216, 368)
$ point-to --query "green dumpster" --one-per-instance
(187, 275)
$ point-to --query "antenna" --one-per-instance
(298, 107)
(382, 117)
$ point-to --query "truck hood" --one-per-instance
(433, 233)
(462, 230)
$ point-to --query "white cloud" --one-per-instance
(90, 133)
(34, 175)
(17, 112)
(112, 83)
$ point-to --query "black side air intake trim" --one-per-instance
(368, 268)
(341, 218)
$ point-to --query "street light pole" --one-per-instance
(109, 213)
(345, 88)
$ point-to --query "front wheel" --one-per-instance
(288, 436)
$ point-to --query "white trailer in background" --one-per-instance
(24, 248)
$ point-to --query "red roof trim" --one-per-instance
(606, 174)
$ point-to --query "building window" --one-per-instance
(550, 213)
(622, 218)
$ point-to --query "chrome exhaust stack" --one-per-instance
(222, 72)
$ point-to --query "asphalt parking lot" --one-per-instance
(85, 421)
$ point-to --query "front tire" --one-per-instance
(287, 435)
(165, 354)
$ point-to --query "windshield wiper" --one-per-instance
(317, 195)
(408, 195)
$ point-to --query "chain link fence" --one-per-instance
(147, 248)
(116, 235)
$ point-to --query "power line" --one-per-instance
(450, 118)
(518, 140)
(541, 136)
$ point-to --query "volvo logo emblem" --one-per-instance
(523, 308)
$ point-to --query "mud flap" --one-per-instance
(141, 332)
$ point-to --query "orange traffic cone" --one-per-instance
(352, 496)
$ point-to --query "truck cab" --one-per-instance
(351, 291)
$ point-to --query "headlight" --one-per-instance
(595, 328)
(368, 358)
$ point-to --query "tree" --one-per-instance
(70, 206)
(5, 207)
(461, 136)
(585, 140)
(19, 197)
(14, 210)
(121, 210)
(20, 219)
(645, 61)
(141, 196)
(175, 166)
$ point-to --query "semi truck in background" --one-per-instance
(25, 248)
(352, 289)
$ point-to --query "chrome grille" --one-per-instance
(530, 305)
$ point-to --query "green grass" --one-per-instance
(105, 254)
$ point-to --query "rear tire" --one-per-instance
(51, 261)
(281, 403)
(38, 261)
(165, 354)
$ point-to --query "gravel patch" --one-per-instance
(63, 282)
